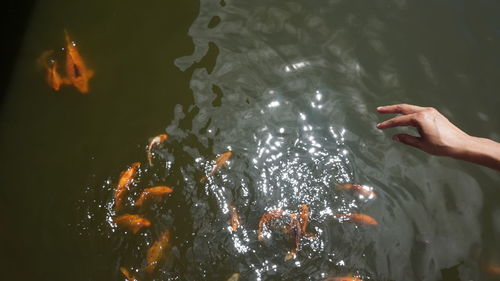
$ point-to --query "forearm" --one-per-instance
(481, 151)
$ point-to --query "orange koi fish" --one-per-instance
(365, 191)
(76, 70)
(219, 162)
(53, 77)
(126, 179)
(235, 219)
(234, 277)
(359, 218)
(133, 223)
(127, 274)
(304, 217)
(157, 251)
(295, 231)
(158, 140)
(153, 194)
(343, 278)
(493, 269)
(304, 221)
(272, 215)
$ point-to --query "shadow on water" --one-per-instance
(15, 20)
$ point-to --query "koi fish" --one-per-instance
(235, 219)
(159, 139)
(77, 71)
(127, 274)
(157, 251)
(133, 223)
(359, 218)
(343, 278)
(365, 191)
(53, 77)
(234, 277)
(295, 231)
(493, 269)
(304, 217)
(126, 179)
(219, 162)
(272, 215)
(152, 194)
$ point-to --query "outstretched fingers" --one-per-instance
(402, 120)
(399, 108)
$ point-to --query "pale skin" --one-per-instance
(438, 136)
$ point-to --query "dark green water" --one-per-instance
(291, 88)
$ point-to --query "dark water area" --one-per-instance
(290, 88)
(15, 18)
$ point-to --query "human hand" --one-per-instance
(438, 136)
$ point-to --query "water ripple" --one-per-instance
(289, 96)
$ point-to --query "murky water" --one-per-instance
(290, 88)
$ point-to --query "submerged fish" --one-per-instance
(158, 140)
(234, 277)
(271, 215)
(343, 278)
(53, 77)
(152, 194)
(123, 187)
(304, 217)
(157, 251)
(133, 223)
(219, 162)
(359, 218)
(295, 231)
(365, 191)
(298, 229)
(76, 70)
(235, 219)
(493, 269)
(127, 274)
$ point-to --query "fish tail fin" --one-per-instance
(66, 36)
(339, 186)
(126, 273)
(150, 160)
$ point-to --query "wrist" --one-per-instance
(480, 151)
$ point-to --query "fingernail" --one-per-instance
(378, 125)
(396, 138)
(379, 108)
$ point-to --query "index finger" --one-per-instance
(399, 108)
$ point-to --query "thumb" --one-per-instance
(408, 140)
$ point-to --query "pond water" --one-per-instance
(290, 88)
